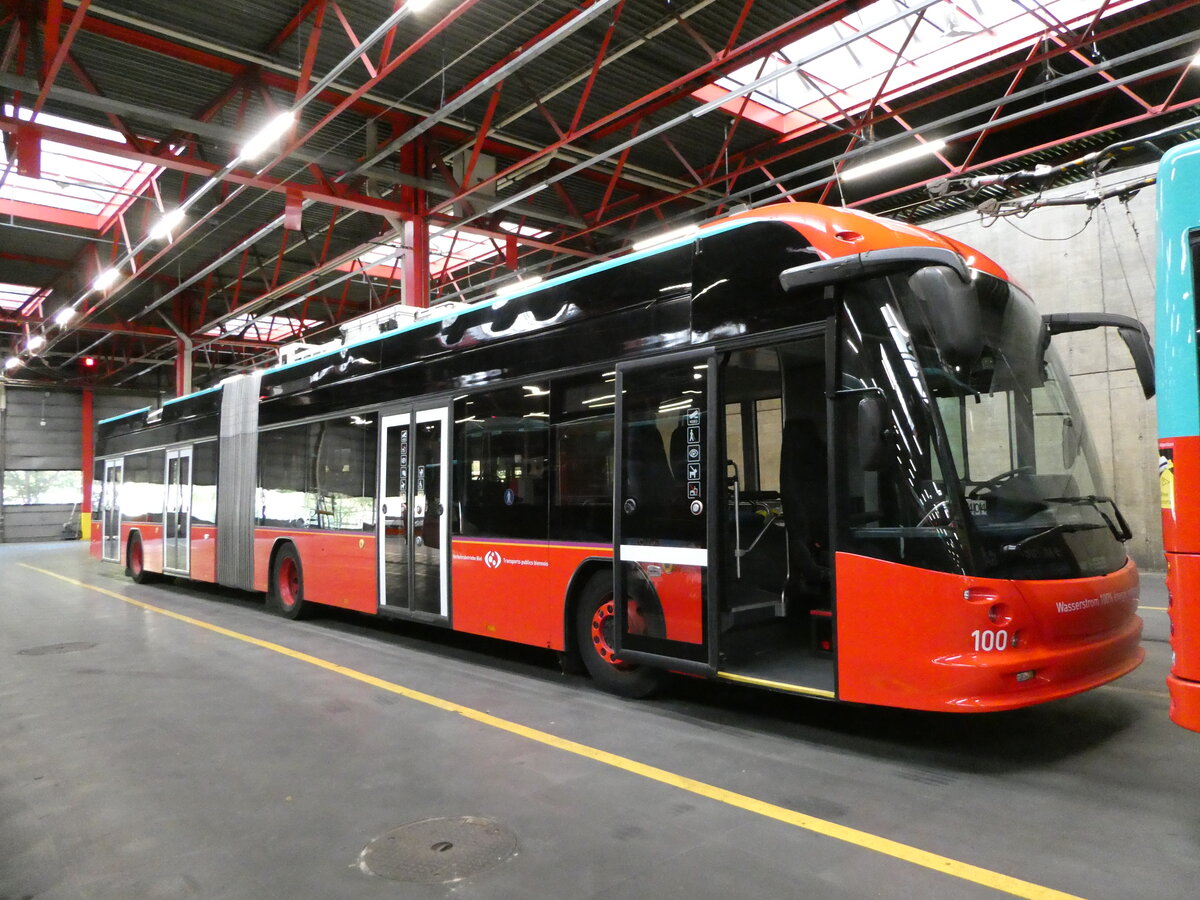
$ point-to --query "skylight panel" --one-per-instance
(14, 296)
(448, 252)
(264, 328)
(79, 186)
(952, 38)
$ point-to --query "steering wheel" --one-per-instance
(993, 483)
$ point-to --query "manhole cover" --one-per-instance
(57, 648)
(438, 850)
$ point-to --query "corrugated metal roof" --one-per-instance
(162, 66)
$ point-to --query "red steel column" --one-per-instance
(414, 264)
(87, 425)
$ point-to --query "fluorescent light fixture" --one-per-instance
(666, 237)
(519, 285)
(268, 135)
(64, 315)
(106, 279)
(1195, 63)
(418, 5)
(893, 159)
(35, 342)
(12, 362)
(168, 223)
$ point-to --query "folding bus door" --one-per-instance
(665, 515)
(177, 512)
(110, 507)
(414, 536)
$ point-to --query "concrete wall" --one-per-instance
(1071, 260)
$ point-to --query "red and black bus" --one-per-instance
(803, 448)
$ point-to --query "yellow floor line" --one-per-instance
(1157, 608)
(947, 866)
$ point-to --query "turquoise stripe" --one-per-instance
(1175, 312)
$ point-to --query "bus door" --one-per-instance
(177, 511)
(666, 482)
(110, 526)
(414, 539)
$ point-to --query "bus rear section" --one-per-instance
(1179, 418)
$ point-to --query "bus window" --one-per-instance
(143, 489)
(318, 475)
(582, 429)
(502, 441)
(897, 507)
(204, 483)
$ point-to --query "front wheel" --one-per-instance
(286, 594)
(594, 635)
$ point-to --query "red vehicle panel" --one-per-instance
(940, 641)
(203, 553)
(152, 545)
(339, 567)
(514, 590)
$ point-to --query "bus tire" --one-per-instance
(594, 637)
(135, 561)
(286, 593)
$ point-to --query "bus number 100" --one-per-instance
(988, 640)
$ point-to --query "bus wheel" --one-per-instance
(135, 561)
(594, 637)
(286, 594)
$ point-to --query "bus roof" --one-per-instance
(831, 231)
(835, 231)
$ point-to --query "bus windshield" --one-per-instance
(1030, 484)
(974, 459)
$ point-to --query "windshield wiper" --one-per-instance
(1120, 528)
(1064, 528)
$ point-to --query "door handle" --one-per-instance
(630, 506)
(384, 509)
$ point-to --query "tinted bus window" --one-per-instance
(582, 432)
(502, 440)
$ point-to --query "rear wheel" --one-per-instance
(286, 595)
(135, 561)
(595, 636)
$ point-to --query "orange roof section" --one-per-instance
(834, 231)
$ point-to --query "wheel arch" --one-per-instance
(583, 574)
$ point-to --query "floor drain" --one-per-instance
(436, 851)
(57, 648)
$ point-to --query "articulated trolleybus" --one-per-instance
(1178, 286)
(804, 448)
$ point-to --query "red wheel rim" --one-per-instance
(289, 583)
(602, 631)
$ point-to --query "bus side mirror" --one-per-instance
(870, 433)
(1132, 332)
(951, 309)
(1071, 441)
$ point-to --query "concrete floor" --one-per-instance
(143, 755)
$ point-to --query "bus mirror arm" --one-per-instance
(870, 264)
(1132, 332)
(870, 432)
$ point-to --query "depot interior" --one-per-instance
(190, 192)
